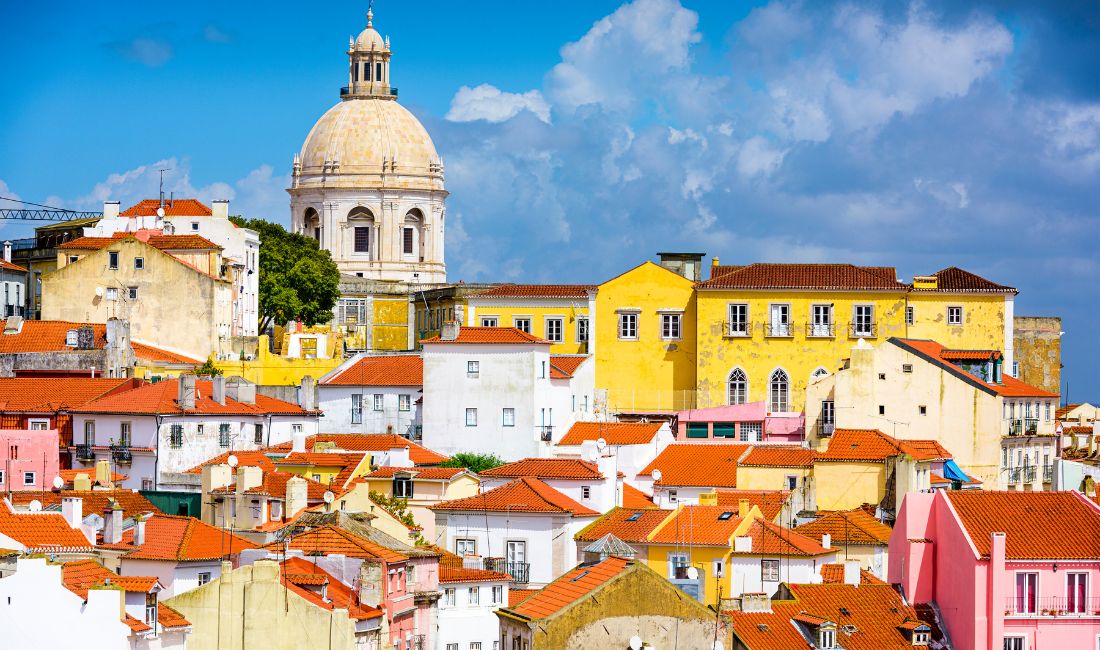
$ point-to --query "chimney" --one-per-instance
(295, 496)
(307, 393)
(685, 264)
(112, 523)
(714, 262)
(826, 540)
(298, 442)
(13, 324)
(398, 457)
(219, 389)
(72, 508)
(103, 473)
(743, 508)
(709, 498)
(742, 544)
(249, 477)
(82, 483)
(7, 251)
(139, 530)
(755, 602)
(220, 209)
(185, 399)
(370, 583)
(589, 451)
(241, 390)
(851, 572)
(213, 477)
(471, 561)
(451, 330)
(110, 209)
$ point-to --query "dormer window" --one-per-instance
(921, 637)
(402, 487)
(71, 338)
(826, 638)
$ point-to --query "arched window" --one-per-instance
(779, 391)
(311, 224)
(361, 220)
(411, 233)
(819, 372)
(738, 387)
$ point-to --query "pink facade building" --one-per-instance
(28, 459)
(739, 423)
(1006, 570)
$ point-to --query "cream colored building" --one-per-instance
(368, 183)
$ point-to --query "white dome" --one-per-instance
(370, 39)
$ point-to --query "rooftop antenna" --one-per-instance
(166, 169)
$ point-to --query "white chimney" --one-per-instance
(186, 396)
(72, 508)
(220, 209)
(451, 330)
(139, 530)
(219, 389)
(851, 572)
(589, 451)
(742, 544)
(110, 209)
(398, 457)
(112, 523)
(7, 251)
(827, 540)
(298, 442)
(307, 394)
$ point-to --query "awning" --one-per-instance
(952, 472)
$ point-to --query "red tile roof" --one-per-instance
(173, 208)
(383, 370)
(839, 277)
(528, 495)
(490, 335)
(8, 266)
(613, 433)
(160, 399)
(698, 525)
(574, 291)
(834, 573)
(779, 456)
(1037, 525)
(42, 531)
(297, 572)
(49, 394)
(273, 484)
(635, 498)
(460, 574)
(48, 336)
(969, 355)
(147, 352)
(933, 353)
(180, 539)
(632, 525)
(722, 269)
(1062, 411)
(770, 502)
(82, 575)
(847, 527)
(348, 463)
(244, 459)
(69, 476)
(418, 453)
(956, 280)
(925, 449)
(333, 540)
(860, 445)
(564, 366)
(697, 465)
(93, 501)
(773, 539)
(517, 596)
(547, 468)
(571, 587)
(419, 473)
(158, 241)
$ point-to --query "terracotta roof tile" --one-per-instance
(383, 370)
(168, 617)
(274, 485)
(574, 291)
(722, 269)
(148, 352)
(461, 574)
(773, 539)
(69, 476)
(860, 445)
(697, 465)
(614, 433)
(847, 527)
(698, 525)
(245, 458)
(779, 456)
(564, 366)
(517, 596)
(93, 501)
(333, 540)
(419, 473)
(158, 241)
(933, 352)
(840, 277)
(529, 495)
(956, 280)
(160, 399)
(8, 266)
(1037, 525)
(547, 468)
(834, 573)
(770, 502)
(82, 575)
(50, 394)
(173, 208)
(571, 587)
(297, 572)
(490, 335)
(418, 453)
(48, 336)
(41, 530)
(632, 525)
(180, 539)
(925, 449)
(635, 498)
(350, 464)
(1062, 411)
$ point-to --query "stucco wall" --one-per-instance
(335, 401)
(506, 310)
(1038, 347)
(847, 485)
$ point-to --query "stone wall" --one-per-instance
(1038, 343)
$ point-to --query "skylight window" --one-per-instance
(634, 517)
(725, 516)
(579, 576)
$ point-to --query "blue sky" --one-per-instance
(582, 137)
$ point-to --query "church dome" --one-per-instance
(370, 39)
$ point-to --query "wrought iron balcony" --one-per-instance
(862, 330)
(1029, 474)
(85, 452)
(820, 330)
(1014, 474)
(1048, 473)
(778, 329)
(520, 571)
(1052, 606)
(738, 328)
(824, 429)
(1023, 427)
(546, 432)
(121, 454)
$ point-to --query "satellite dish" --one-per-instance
(693, 573)
(58, 482)
(160, 212)
(635, 642)
(329, 496)
(232, 460)
(657, 475)
(35, 506)
(601, 444)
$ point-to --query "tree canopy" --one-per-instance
(298, 280)
(473, 461)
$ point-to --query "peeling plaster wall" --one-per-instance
(1039, 351)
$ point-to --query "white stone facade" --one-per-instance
(463, 621)
(399, 410)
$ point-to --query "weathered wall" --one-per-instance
(1039, 351)
(983, 325)
(269, 369)
(843, 486)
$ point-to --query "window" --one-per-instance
(1076, 592)
(792, 482)
(779, 320)
(112, 259)
(124, 434)
(779, 388)
(1016, 369)
(89, 432)
(139, 263)
(498, 594)
(863, 320)
(407, 241)
(509, 417)
(542, 370)
(954, 315)
(402, 487)
(628, 325)
(1, 476)
(452, 646)
(751, 432)
(73, 258)
(1048, 411)
(909, 320)
(257, 434)
(739, 320)
(670, 327)
(204, 577)
(356, 408)
(882, 409)
(131, 293)
(195, 226)
(276, 510)
(738, 387)
(582, 330)
(586, 492)
(672, 496)
(922, 409)
(404, 402)
(1027, 586)
(449, 597)
(1015, 643)
(489, 321)
(522, 324)
(826, 637)
(678, 566)
(471, 417)
(151, 608)
(818, 372)
(475, 596)
(223, 434)
(465, 547)
(112, 293)
(554, 330)
(175, 435)
(378, 72)
(28, 478)
(769, 570)
(475, 645)
(473, 368)
(378, 400)
(821, 321)
(907, 368)
(718, 568)
(40, 425)
(362, 239)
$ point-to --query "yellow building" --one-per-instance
(558, 313)
(336, 470)
(645, 340)
(38, 255)
(962, 311)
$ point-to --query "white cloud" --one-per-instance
(489, 103)
(759, 157)
(147, 50)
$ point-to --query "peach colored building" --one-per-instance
(28, 459)
(1011, 570)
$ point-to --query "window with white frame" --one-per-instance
(28, 478)
(751, 432)
(826, 638)
(449, 597)
(678, 564)
(779, 391)
(1020, 643)
(473, 369)
(223, 434)
(508, 417)
(628, 325)
(356, 408)
(522, 324)
(112, 293)
(910, 315)
(204, 577)
(670, 327)
(1, 477)
(402, 487)
(769, 570)
(471, 417)
(863, 320)
(586, 492)
(954, 315)
(139, 263)
(1048, 412)
(378, 400)
(582, 329)
(672, 496)
(475, 596)
(452, 646)
(718, 568)
(1027, 592)
(738, 387)
(498, 594)
(738, 320)
(465, 546)
(1077, 592)
(821, 320)
(779, 319)
(475, 645)
(489, 321)
(555, 330)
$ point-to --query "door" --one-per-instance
(822, 322)
(517, 552)
(780, 320)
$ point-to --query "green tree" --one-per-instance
(208, 369)
(473, 461)
(298, 280)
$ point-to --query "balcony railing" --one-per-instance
(346, 90)
(1029, 474)
(778, 329)
(546, 432)
(121, 454)
(520, 571)
(1052, 606)
(820, 330)
(1048, 473)
(1014, 474)
(85, 452)
(824, 429)
(862, 330)
(415, 432)
(1023, 427)
(739, 329)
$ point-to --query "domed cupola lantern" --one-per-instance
(369, 64)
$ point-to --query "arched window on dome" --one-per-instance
(779, 390)
(361, 221)
(412, 234)
(311, 224)
(738, 385)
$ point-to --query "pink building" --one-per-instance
(28, 459)
(1007, 570)
(739, 423)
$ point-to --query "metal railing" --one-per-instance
(1013, 475)
(820, 330)
(346, 90)
(546, 432)
(85, 452)
(824, 429)
(1023, 426)
(520, 571)
(415, 432)
(121, 454)
(778, 329)
(861, 330)
(1052, 606)
(1029, 474)
(738, 329)
(1048, 473)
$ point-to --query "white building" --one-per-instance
(373, 394)
(49, 605)
(368, 183)
(14, 279)
(158, 431)
(241, 246)
(470, 594)
(768, 554)
(591, 480)
(524, 528)
(633, 444)
(492, 388)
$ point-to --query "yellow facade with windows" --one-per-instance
(565, 323)
(979, 323)
(640, 365)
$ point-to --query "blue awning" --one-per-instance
(952, 472)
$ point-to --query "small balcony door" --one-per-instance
(780, 319)
(1027, 589)
(1076, 592)
(517, 552)
(822, 320)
